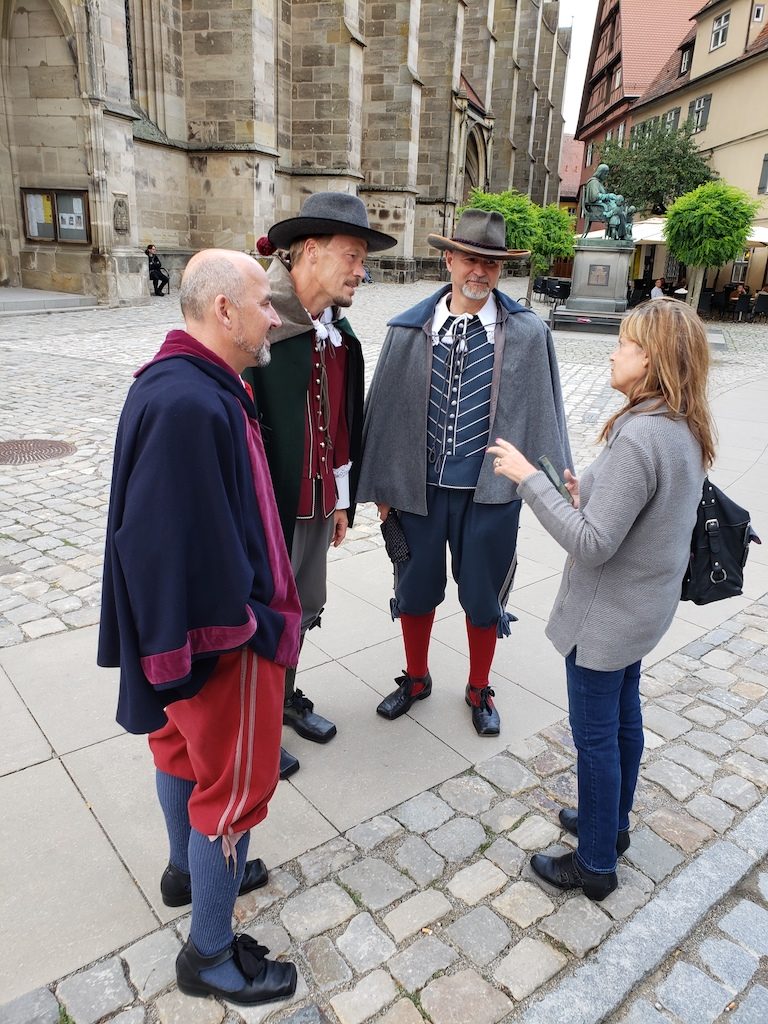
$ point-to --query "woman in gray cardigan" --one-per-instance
(627, 534)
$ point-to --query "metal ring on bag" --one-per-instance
(721, 579)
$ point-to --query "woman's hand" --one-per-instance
(510, 462)
(572, 483)
(383, 511)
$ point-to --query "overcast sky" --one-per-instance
(581, 15)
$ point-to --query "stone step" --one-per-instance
(35, 300)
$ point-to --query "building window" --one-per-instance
(589, 154)
(620, 131)
(672, 119)
(759, 12)
(617, 77)
(685, 60)
(698, 112)
(609, 135)
(741, 267)
(763, 186)
(720, 30)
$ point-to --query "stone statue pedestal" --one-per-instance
(600, 274)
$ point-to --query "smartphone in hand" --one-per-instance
(555, 479)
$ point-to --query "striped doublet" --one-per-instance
(459, 401)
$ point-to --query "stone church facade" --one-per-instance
(196, 123)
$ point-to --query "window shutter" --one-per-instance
(691, 110)
(763, 186)
(675, 120)
(705, 114)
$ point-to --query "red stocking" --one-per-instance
(417, 630)
(482, 645)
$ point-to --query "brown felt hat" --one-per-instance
(480, 233)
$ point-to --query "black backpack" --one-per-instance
(719, 548)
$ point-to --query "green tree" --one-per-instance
(554, 240)
(707, 228)
(659, 166)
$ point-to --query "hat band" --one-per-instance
(483, 245)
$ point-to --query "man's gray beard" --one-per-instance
(342, 300)
(261, 355)
(469, 291)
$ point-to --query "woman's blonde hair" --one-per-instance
(674, 340)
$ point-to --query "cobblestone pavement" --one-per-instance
(65, 377)
(430, 911)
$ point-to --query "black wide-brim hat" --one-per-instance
(479, 233)
(330, 213)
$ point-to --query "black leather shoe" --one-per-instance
(266, 981)
(564, 873)
(485, 718)
(400, 700)
(289, 764)
(299, 713)
(570, 821)
(176, 885)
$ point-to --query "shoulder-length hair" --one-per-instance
(674, 339)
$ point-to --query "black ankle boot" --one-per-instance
(564, 873)
(264, 981)
(400, 700)
(570, 821)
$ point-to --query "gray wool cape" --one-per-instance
(526, 406)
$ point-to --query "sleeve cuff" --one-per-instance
(341, 476)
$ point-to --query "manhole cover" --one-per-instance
(14, 453)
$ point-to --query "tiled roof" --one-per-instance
(467, 87)
(571, 161)
(669, 77)
(759, 44)
(650, 30)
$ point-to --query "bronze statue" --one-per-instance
(599, 206)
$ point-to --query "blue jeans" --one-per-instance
(607, 727)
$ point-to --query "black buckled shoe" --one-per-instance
(400, 700)
(564, 873)
(299, 713)
(176, 885)
(485, 718)
(289, 764)
(266, 981)
(570, 821)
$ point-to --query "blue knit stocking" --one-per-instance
(173, 794)
(215, 884)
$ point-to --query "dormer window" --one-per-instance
(685, 60)
(720, 30)
(758, 14)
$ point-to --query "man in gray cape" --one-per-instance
(458, 370)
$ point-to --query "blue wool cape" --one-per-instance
(195, 562)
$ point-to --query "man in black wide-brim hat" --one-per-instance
(310, 402)
(460, 369)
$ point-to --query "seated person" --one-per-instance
(157, 275)
(657, 292)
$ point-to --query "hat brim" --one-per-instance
(282, 234)
(440, 242)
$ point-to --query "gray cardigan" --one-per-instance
(628, 543)
(526, 406)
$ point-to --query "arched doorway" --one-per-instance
(475, 163)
